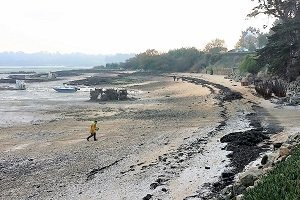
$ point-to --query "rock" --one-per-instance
(271, 159)
(225, 197)
(147, 197)
(266, 170)
(295, 138)
(164, 190)
(277, 145)
(250, 187)
(216, 184)
(153, 185)
(248, 178)
(264, 160)
(255, 183)
(227, 190)
(288, 157)
(180, 154)
(238, 189)
(283, 151)
(160, 180)
(280, 159)
(239, 197)
(206, 167)
(227, 175)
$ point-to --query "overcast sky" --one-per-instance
(121, 26)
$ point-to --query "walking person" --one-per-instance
(93, 130)
(174, 77)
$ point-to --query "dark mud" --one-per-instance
(243, 146)
(92, 173)
(225, 94)
(112, 78)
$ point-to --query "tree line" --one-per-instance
(281, 55)
(277, 52)
(179, 60)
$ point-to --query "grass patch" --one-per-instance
(282, 183)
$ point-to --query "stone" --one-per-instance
(277, 145)
(267, 169)
(256, 183)
(271, 159)
(264, 160)
(288, 157)
(227, 190)
(147, 197)
(295, 138)
(238, 189)
(153, 186)
(160, 180)
(250, 187)
(283, 151)
(280, 159)
(239, 197)
(247, 178)
(227, 174)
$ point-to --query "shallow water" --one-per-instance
(24, 106)
(38, 69)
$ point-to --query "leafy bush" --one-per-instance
(249, 65)
(281, 183)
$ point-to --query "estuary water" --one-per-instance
(38, 69)
(30, 105)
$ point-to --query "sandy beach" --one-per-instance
(164, 144)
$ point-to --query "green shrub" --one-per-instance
(249, 65)
(282, 183)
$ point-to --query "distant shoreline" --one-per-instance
(39, 69)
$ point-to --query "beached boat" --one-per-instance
(66, 89)
(20, 85)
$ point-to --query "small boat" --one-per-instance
(20, 85)
(66, 89)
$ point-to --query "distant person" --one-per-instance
(93, 130)
(174, 77)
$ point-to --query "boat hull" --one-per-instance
(65, 90)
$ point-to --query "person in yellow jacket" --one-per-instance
(93, 130)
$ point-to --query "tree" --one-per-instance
(249, 64)
(215, 46)
(281, 9)
(262, 40)
(252, 39)
(282, 52)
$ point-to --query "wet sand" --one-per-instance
(164, 145)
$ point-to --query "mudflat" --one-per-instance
(164, 143)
